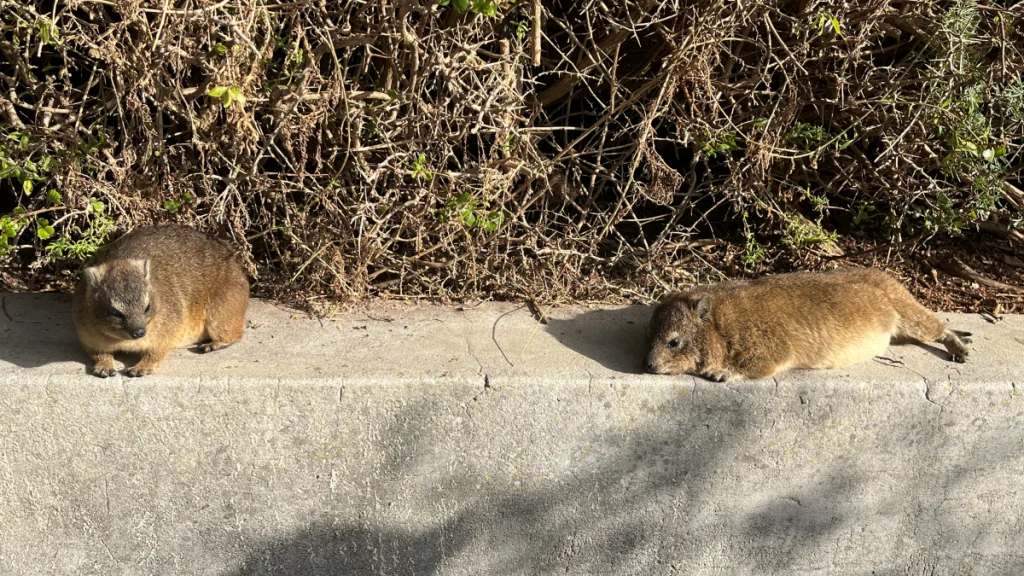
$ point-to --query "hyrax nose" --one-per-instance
(138, 333)
(650, 365)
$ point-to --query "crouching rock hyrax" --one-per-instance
(757, 328)
(155, 289)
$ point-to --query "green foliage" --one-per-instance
(819, 203)
(723, 143)
(48, 32)
(10, 226)
(98, 225)
(824, 20)
(753, 251)
(802, 233)
(962, 114)
(228, 95)
(864, 213)
(43, 229)
(507, 145)
(808, 136)
(472, 213)
(420, 170)
(16, 162)
(174, 205)
(483, 7)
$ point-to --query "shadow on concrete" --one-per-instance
(36, 330)
(657, 502)
(615, 338)
(324, 550)
(647, 492)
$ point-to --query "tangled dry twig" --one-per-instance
(579, 150)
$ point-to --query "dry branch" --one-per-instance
(567, 150)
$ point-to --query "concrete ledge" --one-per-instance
(404, 439)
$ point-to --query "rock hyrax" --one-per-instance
(155, 289)
(757, 328)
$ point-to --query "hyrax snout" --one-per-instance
(157, 288)
(757, 328)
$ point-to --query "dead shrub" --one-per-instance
(575, 150)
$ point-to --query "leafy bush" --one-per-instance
(432, 148)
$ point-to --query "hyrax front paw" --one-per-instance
(960, 356)
(140, 370)
(105, 370)
(718, 375)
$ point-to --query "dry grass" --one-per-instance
(397, 148)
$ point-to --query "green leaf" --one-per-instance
(95, 207)
(172, 206)
(23, 143)
(485, 7)
(835, 24)
(234, 95)
(460, 6)
(48, 32)
(217, 91)
(43, 228)
(53, 197)
(27, 186)
(8, 229)
(220, 49)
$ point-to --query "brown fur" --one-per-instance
(169, 285)
(758, 328)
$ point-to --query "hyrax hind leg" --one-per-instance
(225, 314)
(918, 324)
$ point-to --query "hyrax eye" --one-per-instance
(116, 314)
(673, 343)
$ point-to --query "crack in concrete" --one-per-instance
(928, 393)
(479, 364)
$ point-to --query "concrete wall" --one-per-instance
(402, 439)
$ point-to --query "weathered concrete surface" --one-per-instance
(424, 440)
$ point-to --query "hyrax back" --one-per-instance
(157, 288)
(758, 328)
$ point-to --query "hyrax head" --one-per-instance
(120, 296)
(676, 333)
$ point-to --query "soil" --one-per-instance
(978, 272)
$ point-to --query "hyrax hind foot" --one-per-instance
(213, 345)
(957, 346)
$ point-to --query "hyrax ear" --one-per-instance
(704, 308)
(143, 266)
(93, 274)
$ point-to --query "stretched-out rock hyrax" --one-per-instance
(155, 289)
(758, 328)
